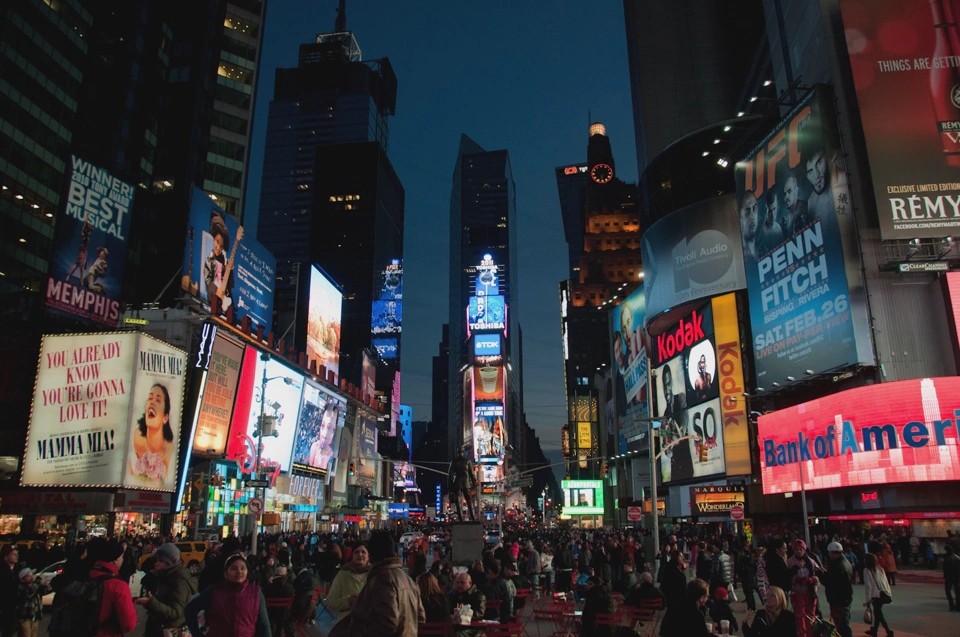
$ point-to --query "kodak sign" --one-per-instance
(688, 332)
(733, 407)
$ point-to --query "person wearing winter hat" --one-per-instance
(234, 608)
(9, 587)
(720, 609)
(804, 569)
(838, 580)
(29, 603)
(117, 614)
(175, 587)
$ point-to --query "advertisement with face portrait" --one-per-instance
(807, 301)
(323, 321)
(365, 450)
(630, 341)
(219, 394)
(90, 245)
(582, 497)
(688, 397)
(220, 261)
(282, 401)
(902, 56)
(106, 412)
(901, 431)
(321, 414)
(693, 253)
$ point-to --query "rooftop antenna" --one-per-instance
(341, 24)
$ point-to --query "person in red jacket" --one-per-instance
(117, 613)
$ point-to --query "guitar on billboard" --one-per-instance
(222, 290)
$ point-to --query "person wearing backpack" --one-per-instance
(174, 589)
(117, 614)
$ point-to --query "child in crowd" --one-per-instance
(30, 603)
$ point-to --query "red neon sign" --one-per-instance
(903, 431)
(871, 496)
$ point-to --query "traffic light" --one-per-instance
(604, 471)
(353, 468)
(703, 452)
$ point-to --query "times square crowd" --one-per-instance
(379, 583)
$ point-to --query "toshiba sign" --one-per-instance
(891, 432)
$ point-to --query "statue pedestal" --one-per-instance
(466, 540)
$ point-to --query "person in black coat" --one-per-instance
(687, 619)
(674, 582)
(776, 561)
(596, 600)
(436, 606)
(721, 610)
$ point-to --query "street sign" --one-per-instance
(736, 512)
(520, 483)
(255, 506)
(634, 514)
(256, 484)
(198, 483)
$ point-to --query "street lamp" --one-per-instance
(261, 431)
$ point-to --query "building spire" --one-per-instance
(341, 24)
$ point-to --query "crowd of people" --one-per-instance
(375, 585)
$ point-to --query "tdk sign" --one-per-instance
(486, 345)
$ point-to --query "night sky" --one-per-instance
(515, 74)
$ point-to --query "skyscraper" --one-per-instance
(484, 302)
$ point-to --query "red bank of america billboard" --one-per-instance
(892, 432)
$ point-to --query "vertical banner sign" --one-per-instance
(903, 55)
(630, 347)
(106, 412)
(807, 300)
(90, 245)
(733, 406)
(219, 394)
(584, 438)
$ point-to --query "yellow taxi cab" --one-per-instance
(191, 554)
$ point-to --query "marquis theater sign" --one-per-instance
(904, 431)
(717, 499)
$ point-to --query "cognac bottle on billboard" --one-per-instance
(945, 79)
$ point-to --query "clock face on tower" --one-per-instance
(601, 173)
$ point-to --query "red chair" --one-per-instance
(300, 624)
(548, 618)
(440, 629)
(321, 607)
(608, 619)
(504, 630)
(276, 604)
(492, 604)
(523, 596)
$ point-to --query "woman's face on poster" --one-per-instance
(156, 410)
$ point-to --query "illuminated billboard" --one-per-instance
(368, 379)
(630, 346)
(387, 348)
(365, 451)
(902, 57)
(487, 281)
(584, 437)
(386, 318)
(106, 412)
(282, 401)
(321, 415)
(219, 393)
(486, 345)
(711, 499)
(486, 313)
(902, 431)
(90, 245)
(488, 382)
(807, 299)
(488, 432)
(582, 497)
(323, 322)
(688, 397)
(733, 407)
(220, 261)
(693, 253)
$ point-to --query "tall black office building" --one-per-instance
(483, 254)
(329, 194)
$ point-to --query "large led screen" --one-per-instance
(90, 245)
(488, 382)
(904, 431)
(106, 412)
(582, 497)
(691, 254)
(486, 313)
(488, 433)
(323, 322)
(321, 415)
(629, 380)
(905, 71)
(282, 401)
(365, 451)
(219, 260)
(807, 300)
(219, 394)
(688, 398)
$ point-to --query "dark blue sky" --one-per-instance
(515, 74)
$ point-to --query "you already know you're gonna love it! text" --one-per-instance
(106, 412)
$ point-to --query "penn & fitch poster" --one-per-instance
(106, 412)
(807, 301)
(90, 245)
(905, 60)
